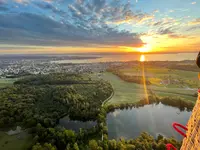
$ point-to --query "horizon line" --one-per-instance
(101, 53)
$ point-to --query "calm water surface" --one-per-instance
(154, 119)
(75, 125)
(133, 57)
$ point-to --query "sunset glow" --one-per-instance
(77, 26)
(146, 48)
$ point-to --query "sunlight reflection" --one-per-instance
(142, 58)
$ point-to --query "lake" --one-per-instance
(131, 57)
(154, 119)
(75, 125)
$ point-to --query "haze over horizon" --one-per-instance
(82, 26)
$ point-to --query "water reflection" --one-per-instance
(142, 58)
(154, 119)
(75, 125)
(133, 57)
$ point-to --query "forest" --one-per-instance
(28, 104)
(37, 102)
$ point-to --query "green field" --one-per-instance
(6, 82)
(125, 92)
(21, 141)
(165, 77)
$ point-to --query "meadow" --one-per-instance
(127, 92)
(21, 141)
(6, 82)
(162, 76)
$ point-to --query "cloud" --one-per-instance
(170, 33)
(80, 23)
(158, 23)
(22, 1)
(2, 8)
(41, 30)
(30, 1)
(156, 11)
(129, 18)
(171, 27)
(193, 3)
(2, 2)
(49, 6)
(48, 1)
(165, 23)
(101, 12)
(193, 28)
(177, 36)
(98, 4)
(195, 22)
(165, 31)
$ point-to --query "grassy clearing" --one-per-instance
(6, 82)
(16, 142)
(126, 92)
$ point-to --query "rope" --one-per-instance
(175, 126)
(178, 130)
(169, 146)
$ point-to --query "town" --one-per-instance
(10, 67)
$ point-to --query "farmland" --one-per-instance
(163, 82)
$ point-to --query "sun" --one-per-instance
(145, 48)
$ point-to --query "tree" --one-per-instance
(37, 147)
(112, 144)
(161, 146)
(160, 137)
(93, 145)
(1, 123)
(130, 147)
(48, 146)
(69, 136)
(47, 122)
(81, 133)
(68, 147)
(76, 146)
(120, 146)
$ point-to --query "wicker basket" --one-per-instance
(192, 141)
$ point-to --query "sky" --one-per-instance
(79, 26)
